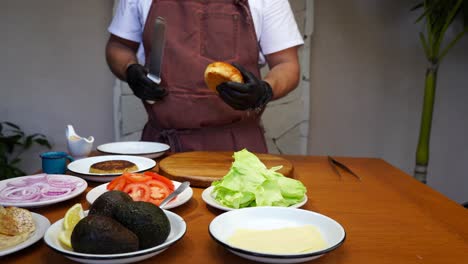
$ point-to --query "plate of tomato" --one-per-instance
(148, 187)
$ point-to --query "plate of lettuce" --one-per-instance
(249, 183)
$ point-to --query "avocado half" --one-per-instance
(96, 234)
(146, 220)
(106, 203)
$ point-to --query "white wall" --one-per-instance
(53, 70)
(367, 72)
(367, 80)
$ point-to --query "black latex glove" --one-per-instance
(252, 94)
(143, 87)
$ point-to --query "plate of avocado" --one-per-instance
(126, 232)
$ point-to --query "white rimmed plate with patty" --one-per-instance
(224, 226)
(141, 148)
(180, 199)
(82, 166)
(178, 229)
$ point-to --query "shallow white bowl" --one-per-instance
(264, 218)
(178, 229)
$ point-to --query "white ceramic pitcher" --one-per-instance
(78, 147)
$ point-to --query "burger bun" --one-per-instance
(219, 72)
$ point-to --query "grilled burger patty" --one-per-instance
(113, 166)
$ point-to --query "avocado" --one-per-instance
(96, 234)
(146, 220)
(106, 203)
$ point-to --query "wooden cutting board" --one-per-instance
(201, 168)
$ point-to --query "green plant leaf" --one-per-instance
(19, 172)
(465, 13)
(452, 12)
(41, 136)
(452, 43)
(33, 138)
(3, 150)
(11, 142)
(43, 142)
(15, 161)
(28, 142)
(13, 129)
(428, 8)
(20, 133)
(423, 15)
(12, 138)
(417, 6)
(12, 125)
(14, 172)
(425, 46)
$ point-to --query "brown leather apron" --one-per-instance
(192, 117)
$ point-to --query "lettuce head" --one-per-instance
(250, 183)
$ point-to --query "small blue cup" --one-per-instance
(55, 162)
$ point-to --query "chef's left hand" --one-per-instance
(251, 94)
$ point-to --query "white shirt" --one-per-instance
(274, 23)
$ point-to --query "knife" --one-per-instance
(157, 51)
(177, 191)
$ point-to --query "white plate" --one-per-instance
(208, 198)
(178, 229)
(179, 200)
(264, 218)
(141, 148)
(82, 166)
(42, 224)
(80, 187)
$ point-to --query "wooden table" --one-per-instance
(388, 216)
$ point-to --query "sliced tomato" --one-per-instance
(161, 178)
(158, 191)
(138, 191)
(117, 183)
(136, 177)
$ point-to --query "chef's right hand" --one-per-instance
(143, 87)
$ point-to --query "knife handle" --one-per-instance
(155, 79)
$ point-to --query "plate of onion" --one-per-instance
(40, 189)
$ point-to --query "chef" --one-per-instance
(187, 115)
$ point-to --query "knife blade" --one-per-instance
(157, 51)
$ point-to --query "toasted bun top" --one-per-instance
(219, 72)
(15, 221)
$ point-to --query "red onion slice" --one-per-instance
(37, 178)
(18, 183)
(62, 183)
(39, 187)
(27, 193)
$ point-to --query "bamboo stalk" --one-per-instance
(438, 15)
(422, 151)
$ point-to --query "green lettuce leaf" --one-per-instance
(250, 183)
